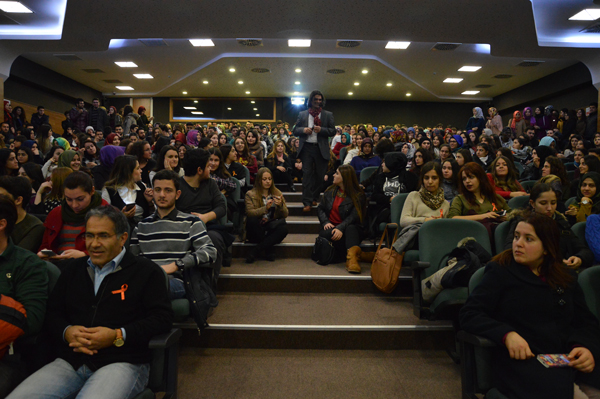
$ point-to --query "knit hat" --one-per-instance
(395, 161)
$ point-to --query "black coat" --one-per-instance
(408, 182)
(552, 321)
(348, 212)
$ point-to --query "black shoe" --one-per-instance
(250, 259)
(270, 257)
(292, 188)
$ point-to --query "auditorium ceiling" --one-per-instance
(347, 57)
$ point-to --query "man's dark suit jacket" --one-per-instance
(327, 130)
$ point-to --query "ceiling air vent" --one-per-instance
(153, 42)
(336, 71)
(593, 28)
(67, 57)
(112, 81)
(261, 70)
(483, 86)
(93, 70)
(347, 43)
(250, 42)
(530, 63)
(445, 46)
(501, 76)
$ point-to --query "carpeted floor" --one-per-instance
(265, 374)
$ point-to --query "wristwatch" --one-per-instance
(585, 201)
(119, 342)
(179, 263)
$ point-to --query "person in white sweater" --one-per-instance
(428, 203)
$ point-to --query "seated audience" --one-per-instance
(484, 156)
(341, 213)
(587, 163)
(234, 168)
(33, 173)
(428, 203)
(9, 166)
(554, 166)
(515, 306)
(366, 158)
(354, 148)
(450, 181)
(65, 224)
(503, 178)
(101, 173)
(91, 154)
(588, 198)
(142, 150)
(28, 230)
(52, 161)
(255, 148)
(106, 355)
(421, 157)
(51, 193)
(70, 159)
(168, 158)
(266, 212)
(463, 156)
(345, 141)
(280, 165)
(245, 158)
(172, 239)
(533, 171)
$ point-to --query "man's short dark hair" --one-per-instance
(164, 128)
(204, 142)
(109, 211)
(40, 107)
(193, 160)
(95, 99)
(79, 180)
(4, 123)
(79, 100)
(8, 212)
(17, 186)
(167, 174)
(189, 124)
(116, 126)
(312, 95)
(594, 104)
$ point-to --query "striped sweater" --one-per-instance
(176, 236)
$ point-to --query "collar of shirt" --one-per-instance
(101, 273)
(171, 216)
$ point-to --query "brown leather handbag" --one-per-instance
(386, 264)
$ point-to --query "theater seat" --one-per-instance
(500, 236)
(519, 202)
(570, 201)
(589, 280)
(579, 230)
(528, 184)
(437, 238)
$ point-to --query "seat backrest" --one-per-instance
(571, 175)
(569, 166)
(223, 220)
(528, 184)
(396, 207)
(589, 280)
(500, 236)
(237, 193)
(53, 275)
(343, 152)
(519, 167)
(248, 184)
(519, 202)
(476, 279)
(367, 172)
(579, 230)
(438, 237)
(570, 201)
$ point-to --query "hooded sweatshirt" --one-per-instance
(397, 180)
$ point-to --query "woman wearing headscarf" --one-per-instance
(476, 122)
(101, 173)
(366, 158)
(61, 142)
(528, 117)
(192, 138)
(533, 171)
(160, 143)
(588, 199)
(33, 146)
(455, 142)
(517, 123)
(345, 140)
(494, 121)
(112, 139)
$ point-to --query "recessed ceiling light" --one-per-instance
(126, 64)
(589, 14)
(470, 92)
(202, 42)
(397, 45)
(125, 88)
(231, 69)
(350, 93)
(205, 82)
(296, 93)
(143, 76)
(240, 82)
(189, 107)
(195, 101)
(252, 102)
(197, 113)
(184, 92)
(356, 83)
(296, 82)
(255, 109)
(388, 85)
(408, 94)
(257, 114)
(298, 70)
(228, 109)
(453, 80)
(247, 92)
(469, 69)
(298, 43)
(364, 71)
(14, 7)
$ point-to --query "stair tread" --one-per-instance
(315, 310)
(302, 239)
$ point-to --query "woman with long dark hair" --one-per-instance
(428, 203)
(504, 177)
(129, 119)
(219, 173)
(463, 156)
(9, 166)
(266, 211)
(450, 179)
(234, 168)
(167, 159)
(280, 165)
(421, 157)
(245, 158)
(142, 150)
(529, 303)
(255, 148)
(44, 138)
(341, 213)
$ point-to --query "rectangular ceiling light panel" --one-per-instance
(143, 76)
(125, 88)
(467, 68)
(470, 92)
(453, 80)
(397, 45)
(298, 43)
(202, 42)
(589, 14)
(14, 7)
(126, 64)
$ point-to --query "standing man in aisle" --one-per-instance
(314, 127)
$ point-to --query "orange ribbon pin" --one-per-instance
(494, 207)
(121, 291)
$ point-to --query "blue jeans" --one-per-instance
(176, 288)
(59, 380)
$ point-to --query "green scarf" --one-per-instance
(433, 201)
(72, 218)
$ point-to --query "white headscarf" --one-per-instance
(479, 113)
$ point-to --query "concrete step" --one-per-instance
(304, 276)
(303, 225)
(317, 321)
(296, 209)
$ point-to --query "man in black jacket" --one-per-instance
(102, 314)
(314, 127)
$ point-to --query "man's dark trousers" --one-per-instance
(314, 167)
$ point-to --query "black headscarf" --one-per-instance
(595, 176)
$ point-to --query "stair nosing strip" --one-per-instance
(303, 276)
(283, 244)
(316, 327)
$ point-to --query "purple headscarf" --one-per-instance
(192, 138)
(459, 139)
(109, 153)
(530, 111)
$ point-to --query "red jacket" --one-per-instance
(499, 190)
(53, 225)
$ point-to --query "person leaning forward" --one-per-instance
(314, 127)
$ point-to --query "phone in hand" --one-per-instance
(129, 207)
(48, 252)
(501, 213)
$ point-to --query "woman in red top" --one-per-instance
(344, 141)
(341, 213)
(504, 178)
(245, 158)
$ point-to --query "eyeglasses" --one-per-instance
(100, 237)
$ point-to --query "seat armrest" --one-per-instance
(165, 340)
(418, 303)
(417, 266)
(475, 339)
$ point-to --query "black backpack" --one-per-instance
(323, 251)
(470, 257)
(199, 292)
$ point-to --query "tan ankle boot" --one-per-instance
(367, 257)
(352, 258)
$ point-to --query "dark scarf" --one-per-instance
(433, 201)
(315, 113)
(72, 218)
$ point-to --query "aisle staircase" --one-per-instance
(293, 303)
